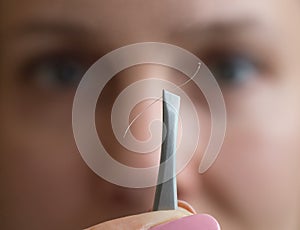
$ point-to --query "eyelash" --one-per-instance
(233, 69)
(64, 70)
(55, 71)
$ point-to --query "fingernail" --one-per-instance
(199, 222)
(185, 205)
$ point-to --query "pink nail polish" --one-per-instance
(199, 222)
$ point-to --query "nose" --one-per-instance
(142, 120)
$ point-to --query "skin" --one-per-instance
(254, 184)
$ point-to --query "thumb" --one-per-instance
(142, 221)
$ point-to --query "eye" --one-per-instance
(233, 70)
(56, 72)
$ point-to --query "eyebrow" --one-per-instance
(223, 26)
(77, 30)
(50, 27)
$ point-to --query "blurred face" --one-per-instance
(253, 49)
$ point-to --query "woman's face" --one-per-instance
(253, 49)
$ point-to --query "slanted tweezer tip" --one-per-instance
(171, 98)
(167, 93)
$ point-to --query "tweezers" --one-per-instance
(166, 192)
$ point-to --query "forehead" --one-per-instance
(140, 20)
(134, 13)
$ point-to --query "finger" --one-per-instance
(142, 221)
